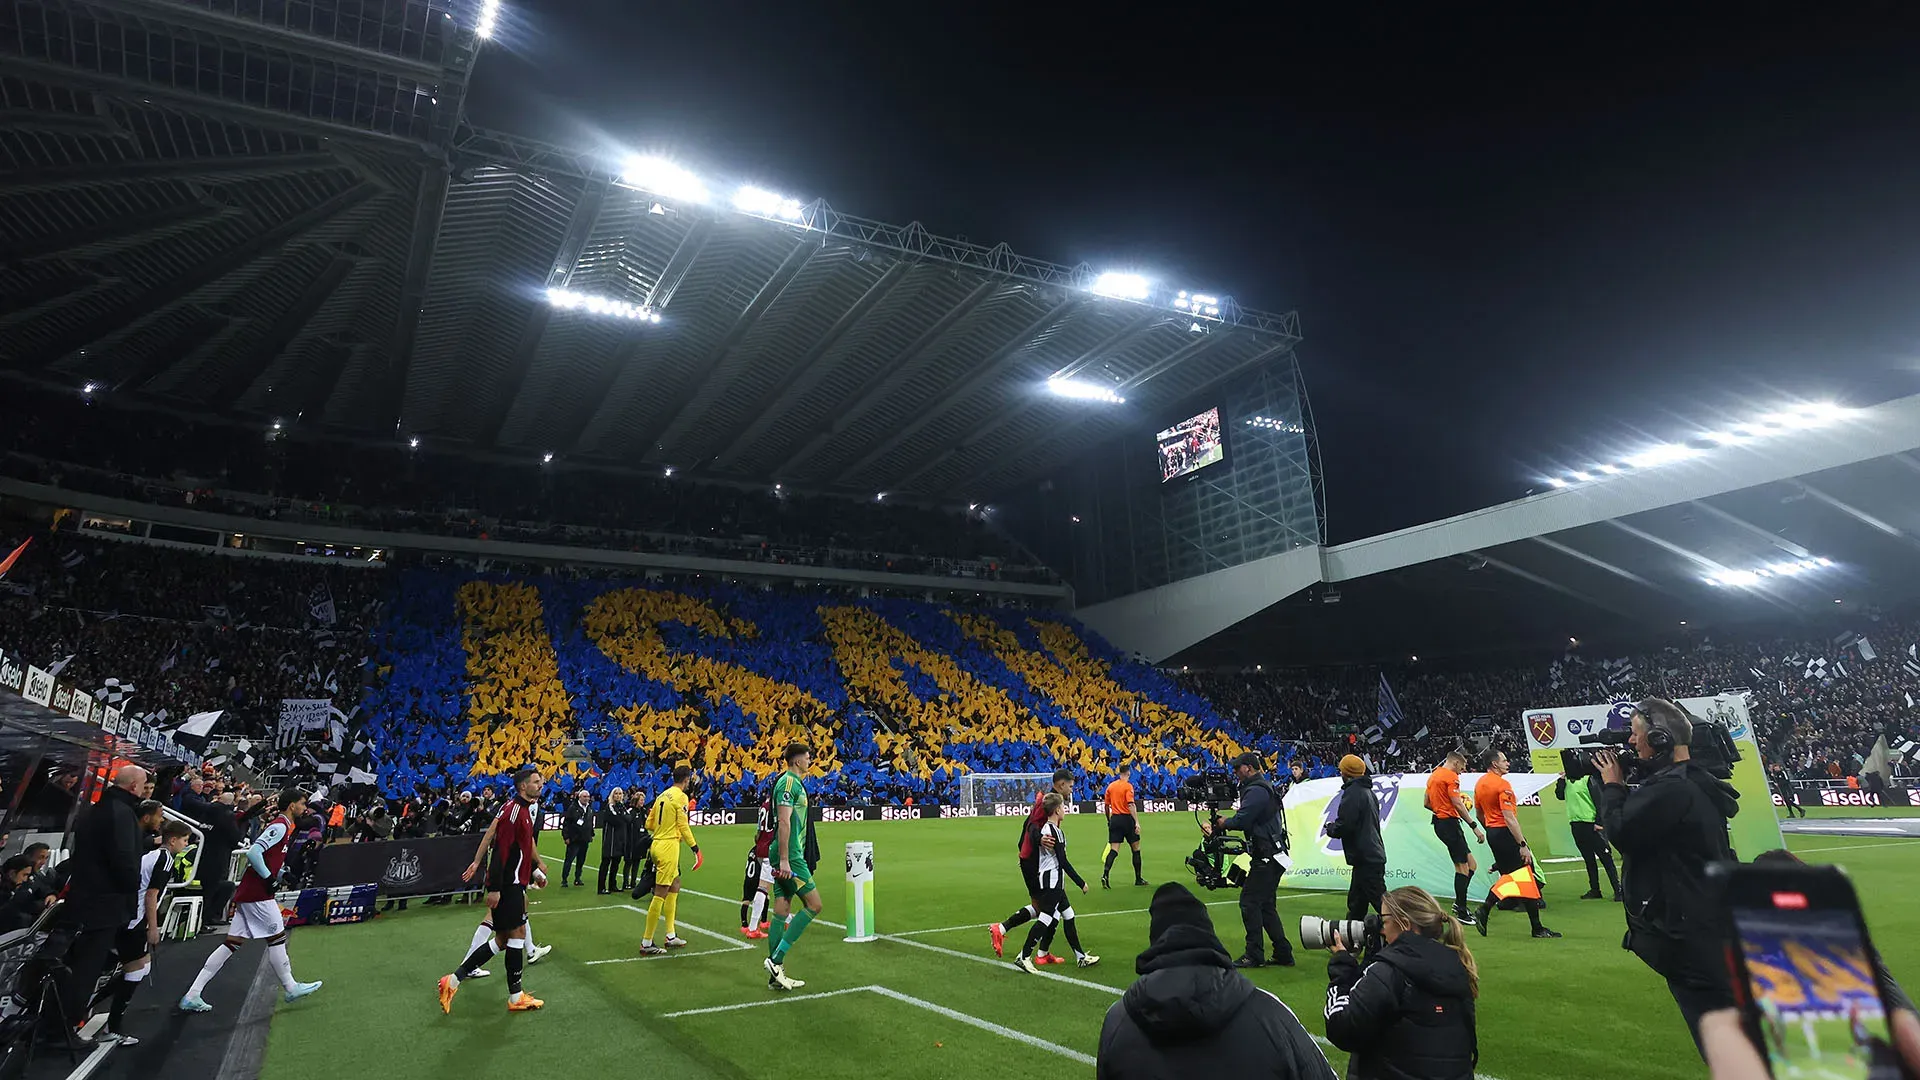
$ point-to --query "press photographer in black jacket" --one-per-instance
(1356, 824)
(1190, 1014)
(1668, 829)
(576, 829)
(1409, 1014)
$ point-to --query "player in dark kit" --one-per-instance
(758, 884)
(515, 867)
(256, 914)
(1030, 866)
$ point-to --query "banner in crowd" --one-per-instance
(1415, 856)
(328, 906)
(400, 867)
(1548, 731)
(300, 715)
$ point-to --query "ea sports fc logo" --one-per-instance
(1541, 726)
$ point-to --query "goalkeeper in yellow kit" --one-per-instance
(669, 824)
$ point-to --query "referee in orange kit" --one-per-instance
(1122, 826)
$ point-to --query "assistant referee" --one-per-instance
(1449, 810)
(1493, 800)
(1122, 827)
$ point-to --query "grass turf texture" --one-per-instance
(1549, 1009)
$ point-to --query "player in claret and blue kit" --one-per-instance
(256, 914)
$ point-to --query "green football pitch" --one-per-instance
(929, 999)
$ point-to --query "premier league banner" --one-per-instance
(1415, 856)
(1550, 731)
(400, 867)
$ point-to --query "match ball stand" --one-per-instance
(860, 925)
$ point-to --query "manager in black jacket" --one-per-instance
(576, 829)
(1191, 1014)
(1356, 824)
(1409, 1015)
(102, 893)
(616, 842)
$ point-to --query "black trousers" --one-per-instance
(1260, 913)
(1695, 971)
(86, 958)
(609, 871)
(576, 859)
(1593, 848)
(1367, 890)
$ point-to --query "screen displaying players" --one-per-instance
(1190, 445)
(1820, 1013)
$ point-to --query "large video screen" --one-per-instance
(1190, 445)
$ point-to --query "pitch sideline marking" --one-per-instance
(919, 1003)
(670, 956)
(1099, 914)
(678, 925)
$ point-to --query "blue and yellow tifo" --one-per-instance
(928, 999)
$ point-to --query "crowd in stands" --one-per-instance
(76, 442)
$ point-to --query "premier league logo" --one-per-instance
(1386, 791)
(1542, 727)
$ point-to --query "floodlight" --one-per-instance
(278, 424)
(89, 388)
(662, 177)
(972, 507)
(1767, 572)
(489, 18)
(765, 203)
(1084, 391)
(1122, 286)
(1554, 481)
(546, 458)
(1611, 470)
(567, 299)
(1661, 454)
(413, 443)
(1580, 476)
(669, 471)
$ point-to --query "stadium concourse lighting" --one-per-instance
(1084, 391)
(753, 200)
(567, 300)
(1122, 286)
(1766, 425)
(489, 18)
(662, 177)
(1197, 303)
(1271, 424)
(1761, 574)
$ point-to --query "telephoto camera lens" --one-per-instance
(1317, 933)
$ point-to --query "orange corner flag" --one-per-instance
(1520, 885)
(7, 564)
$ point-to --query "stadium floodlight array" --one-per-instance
(1767, 425)
(1197, 304)
(663, 177)
(763, 203)
(1762, 574)
(1122, 286)
(489, 18)
(1269, 423)
(1084, 391)
(568, 300)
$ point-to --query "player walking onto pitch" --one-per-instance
(133, 946)
(1030, 863)
(256, 915)
(669, 823)
(1122, 827)
(792, 877)
(484, 932)
(1056, 910)
(758, 883)
(516, 866)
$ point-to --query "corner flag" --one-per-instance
(1520, 885)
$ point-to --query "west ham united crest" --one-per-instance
(1542, 727)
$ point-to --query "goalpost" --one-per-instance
(985, 789)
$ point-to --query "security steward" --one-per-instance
(1263, 821)
(1668, 830)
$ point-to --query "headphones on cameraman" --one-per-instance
(1658, 737)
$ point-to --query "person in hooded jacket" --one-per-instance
(1409, 1014)
(1356, 824)
(1192, 1014)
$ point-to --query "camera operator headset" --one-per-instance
(1409, 1015)
(1263, 821)
(1668, 829)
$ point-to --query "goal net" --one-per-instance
(985, 789)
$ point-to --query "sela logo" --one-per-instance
(959, 811)
(62, 699)
(1830, 797)
(715, 817)
(403, 869)
(1158, 806)
(897, 813)
(1009, 809)
(11, 673)
(837, 813)
(1541, 726)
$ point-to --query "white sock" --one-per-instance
(481, 935)
(136, 974)
(282, 965)
(759, 909)
(215, 961)
(529, 925)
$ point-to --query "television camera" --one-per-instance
(1712, 748)
(1221, 861)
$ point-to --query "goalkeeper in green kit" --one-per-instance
(791, 875)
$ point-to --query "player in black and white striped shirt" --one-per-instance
(1051, 902)
(133, 946)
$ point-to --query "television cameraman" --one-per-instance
(1668, 829)
(1263, 821)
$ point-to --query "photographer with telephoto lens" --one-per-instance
(1409, 1013)
(1263, 821)
(1668, 829)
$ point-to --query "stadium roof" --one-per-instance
(285, 215)
(1771, 529)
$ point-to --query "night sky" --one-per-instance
(1510, 243)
